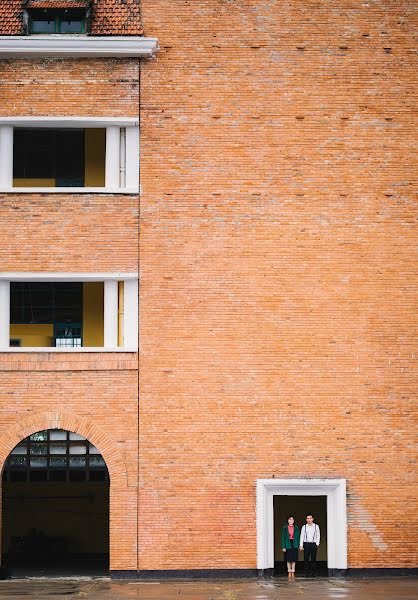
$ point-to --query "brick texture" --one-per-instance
(278, 315)
(277, 270)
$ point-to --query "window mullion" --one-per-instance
(6, 154)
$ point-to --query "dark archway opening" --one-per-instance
(55, 510)
(300, 506)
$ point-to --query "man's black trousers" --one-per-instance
(309, 553)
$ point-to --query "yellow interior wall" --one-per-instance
(78, 512)
(26, 182)
(93, 314)
(33, 335)
(121, 290)
(299, 506)
(95, 147)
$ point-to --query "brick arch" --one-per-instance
(76, 424)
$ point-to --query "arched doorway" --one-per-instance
(55, 499)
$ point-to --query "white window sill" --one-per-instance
(23, 349)
(67, 190)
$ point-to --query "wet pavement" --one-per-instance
(395, 588)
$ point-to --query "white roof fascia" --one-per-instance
(65, 46)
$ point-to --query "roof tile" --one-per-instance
(11, 17)
(57, 3)
(116, 17)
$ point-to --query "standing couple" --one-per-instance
(307, 540)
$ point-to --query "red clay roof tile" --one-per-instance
(116, 17)
(11, 17)
(57, 4)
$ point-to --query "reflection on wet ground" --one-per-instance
(395, 588)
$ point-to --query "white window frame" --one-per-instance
(333, 489)
(110, 280)
(121, 161)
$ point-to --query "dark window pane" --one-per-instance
(33, 153)
(68, 302)
(57, 154)
(31, 303)
(46, 303)
(72, 26)
(70, 158)
(18, 462)
(43, 26)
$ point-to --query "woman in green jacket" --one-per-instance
(290, 544)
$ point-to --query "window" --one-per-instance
(64, 21)
(49, 154)
(59, 157)
(55, 455)
(83, 313)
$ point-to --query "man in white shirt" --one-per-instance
(310, 536)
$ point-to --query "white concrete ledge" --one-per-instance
(66, 46)
(64, 122)
(48, 276)
(65, 349)
(67, 190)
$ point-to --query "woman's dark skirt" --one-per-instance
(291, 555)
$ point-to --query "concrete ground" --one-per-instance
(398, 588)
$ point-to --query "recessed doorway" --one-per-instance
(299, 507)
(55, 512)
(336, 518)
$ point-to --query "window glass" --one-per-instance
(45, 25)
(18, 461)
(96, 462)
(20, 449)
(56, 21)
(55, 455)
(38, 449)
(57, 462)
(71, 25)
(76, 436)
(56, 154)
(78, 462)
(37, 462)
(78, 448)
(58, 449)
(57, 434)
(46, 303)
(40, 436)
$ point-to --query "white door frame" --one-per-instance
(333, 489)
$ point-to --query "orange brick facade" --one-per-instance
(274, 239)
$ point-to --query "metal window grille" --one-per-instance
(55, 455)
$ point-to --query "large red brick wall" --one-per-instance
(94, 394)
(277, 306)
